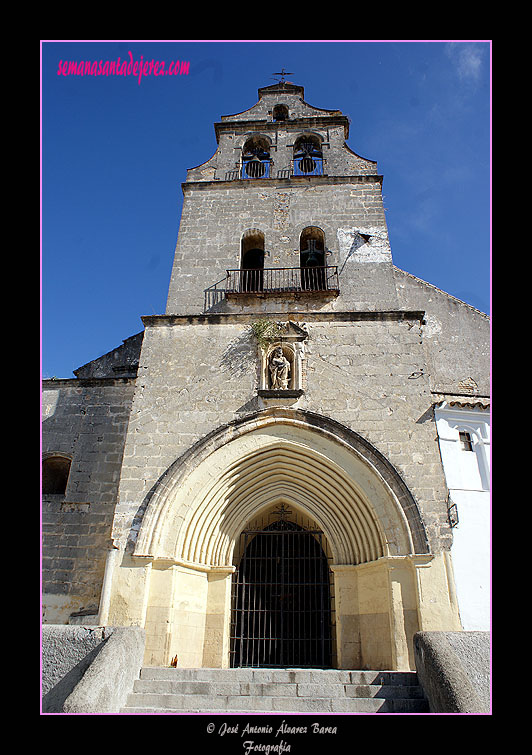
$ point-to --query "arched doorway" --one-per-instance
(386, 584)
(281, 599)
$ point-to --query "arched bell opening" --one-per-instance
(308, 156)
(280, 113)
(256, 158)
(312, 259)
(252, 261)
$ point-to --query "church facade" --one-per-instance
(266, 475)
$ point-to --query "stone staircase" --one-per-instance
(249, 690)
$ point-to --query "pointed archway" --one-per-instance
(201, 504)
(186, 541)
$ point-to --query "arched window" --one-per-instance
(252, 261)
(55, 471)
(312, 259)
(280, 113)
(308, 156)
(256, 158)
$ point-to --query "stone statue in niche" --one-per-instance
(279, 368)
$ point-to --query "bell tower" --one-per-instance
(284, 217)
(288, 371)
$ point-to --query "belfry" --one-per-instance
(281, 470)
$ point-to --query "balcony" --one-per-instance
(256, 169)
(283, 280)
(305, 166)
(308, 166)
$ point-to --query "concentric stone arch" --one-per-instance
(202, 502)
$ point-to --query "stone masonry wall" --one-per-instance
(457, 337)
(197, 374)
(349, 212)
(85, 420)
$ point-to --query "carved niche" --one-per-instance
(281, 363)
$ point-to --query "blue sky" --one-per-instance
(115, 152)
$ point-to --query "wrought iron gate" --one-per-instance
(281, 601)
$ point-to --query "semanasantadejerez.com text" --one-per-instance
(121, 67)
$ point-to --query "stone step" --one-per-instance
(251, 690)
(275, 689)
(264, 675)
(150, 703)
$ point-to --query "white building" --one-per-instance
(464, 438)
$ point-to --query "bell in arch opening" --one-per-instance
(312, 259)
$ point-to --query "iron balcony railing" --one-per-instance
(282, 280)
(305, 166)
(308, 166)
(256, 169)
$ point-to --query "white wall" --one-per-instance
(467, 475)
